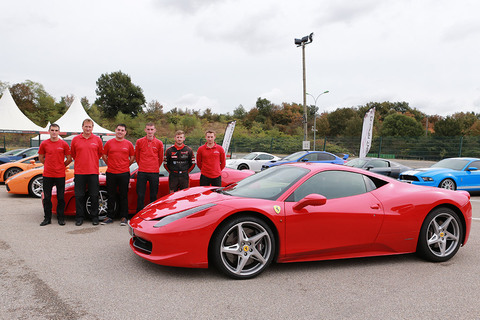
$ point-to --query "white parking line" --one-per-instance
(478, 219)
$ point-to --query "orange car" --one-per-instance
(31, 181)
(11, 168)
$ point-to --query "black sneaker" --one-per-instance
(123, 222)
(61, 222)
(78, 222)
(45, 222)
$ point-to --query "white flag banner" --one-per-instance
(366, 142)
(228, 136)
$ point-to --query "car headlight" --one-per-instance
(179, 215)
(426, 179)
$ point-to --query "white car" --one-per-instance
(252, 161)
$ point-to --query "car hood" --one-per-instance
(181, 201)
(426, 171)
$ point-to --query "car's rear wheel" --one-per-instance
(243, 166)
(441, 235)
(102, 205)
(448, 184)
(243, 247)
(35, 187)
(11, 172)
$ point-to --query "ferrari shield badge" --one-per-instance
(277, 209)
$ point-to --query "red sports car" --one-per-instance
(228, 176)
(300, 212)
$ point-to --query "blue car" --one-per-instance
(310, 156)
(451, 173)
(19, 155)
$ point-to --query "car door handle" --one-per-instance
(375, 206)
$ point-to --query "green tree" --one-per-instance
(338, 120)
(116, 93)
(239, 112)
(400, 125)
(448, 127)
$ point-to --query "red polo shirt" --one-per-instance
(86, 153)
(54, 152)
(211, 161)
(149, 154)
(118, 153)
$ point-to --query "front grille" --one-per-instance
(142, 245)
(408, 178)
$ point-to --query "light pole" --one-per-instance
(302, 43)
(315, 117)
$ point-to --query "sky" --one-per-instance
(220, 54)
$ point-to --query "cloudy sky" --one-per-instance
(220, 54)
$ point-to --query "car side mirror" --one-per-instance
(312, 199)
(32, 161)
(472, 169)
(369, 167)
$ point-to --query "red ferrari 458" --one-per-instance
(300, 212)
(228, 176)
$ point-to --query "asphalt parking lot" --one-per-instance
(89, 272)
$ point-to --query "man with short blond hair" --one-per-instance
(87, 149)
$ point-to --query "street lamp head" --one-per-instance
(305, 40)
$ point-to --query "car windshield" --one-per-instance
(268, 184)
(454, 164)
(250, 156)
(356, 163)
(295, 156)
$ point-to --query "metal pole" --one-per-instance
(304, 93)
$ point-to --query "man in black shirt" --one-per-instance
(179, 162)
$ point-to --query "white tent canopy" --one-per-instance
(12, 119)
(72, 120)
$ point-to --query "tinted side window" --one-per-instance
(332, 184)
(264, 157)
(475, 164)
(379, 163)
(324, 156)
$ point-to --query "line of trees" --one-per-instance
(119, 100)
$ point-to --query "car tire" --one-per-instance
(441, 235)
(102, 205)
(11, 172)
(35, 186)
(243, 166)
(448, 184)
(247, 256)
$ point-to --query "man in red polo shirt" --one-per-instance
(118, 154)
(211, 161)
(54, 153)
(179, 162)
(149, 157)
(87, 149)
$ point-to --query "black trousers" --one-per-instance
(117, 181)
(84, 183)
(142, 179)
(48, 184)
(178, 181)
(205, 181)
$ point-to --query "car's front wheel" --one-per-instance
(448, 184)
(35, 187)
(441, 235)
(243, 247)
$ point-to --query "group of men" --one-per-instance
(119, 153)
